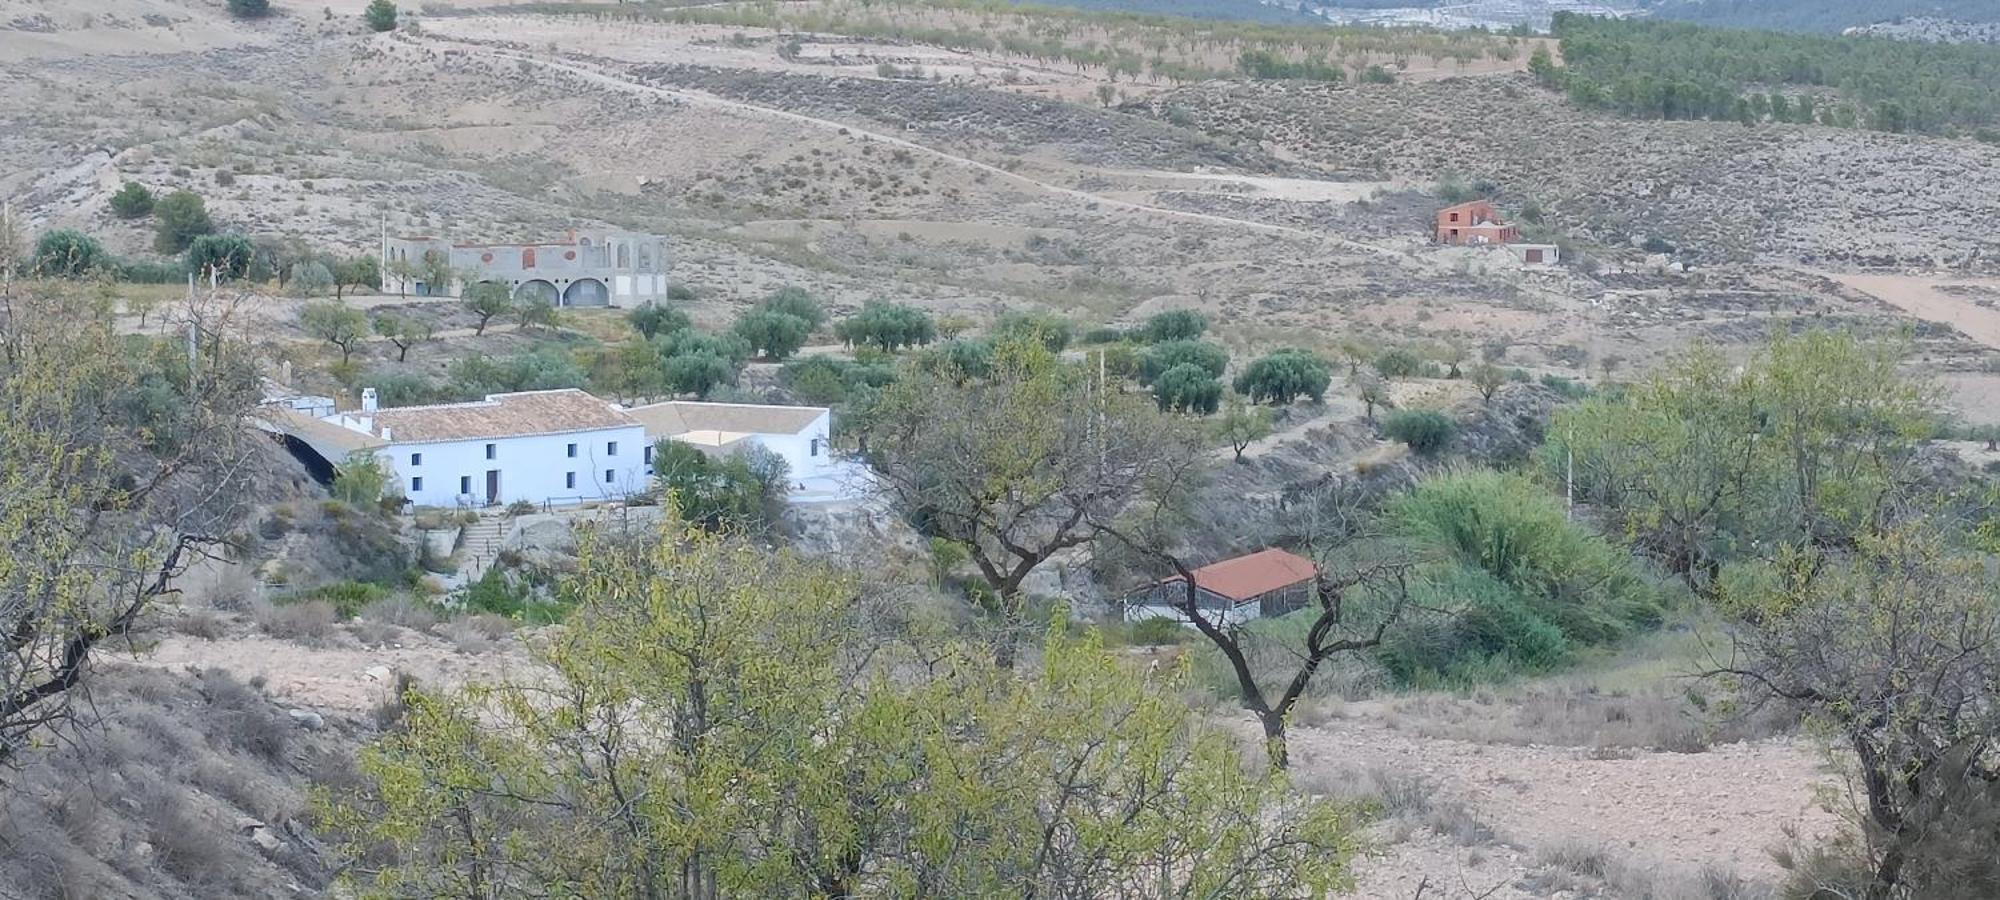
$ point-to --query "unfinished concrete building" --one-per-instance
(600, 269)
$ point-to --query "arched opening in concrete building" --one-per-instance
(537, 290)
(586, 292)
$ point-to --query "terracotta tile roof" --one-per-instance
(1246, 578)
(501, 415)
(677, 417)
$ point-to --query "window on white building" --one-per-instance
(569, 480)
(609, 476)
(465, 484)
(572, 451)
(610, 448)
(416, 485)
(492, 450)
(416, 459)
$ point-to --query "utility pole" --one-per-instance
(1569, 474)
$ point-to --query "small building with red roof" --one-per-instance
(1270, 582)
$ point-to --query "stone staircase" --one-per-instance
(479, 545)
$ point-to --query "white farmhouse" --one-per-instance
(800, 434)
(554, 447)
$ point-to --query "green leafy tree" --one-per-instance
(1175, 325)
(1489, 379)
(1165, 355)
(487, 300)
(1055, 332)
(380, 15)
(654, 319)
(1427, 431)
(706, 728)
(730, 347)
(1284, 376)
(1373, 391)
(887, 326)
(180, 217)
(227, 256)
(774, 335)
(1807, 443)
(537, 312)
(794, 301)
(133, 201)
(727, 494)
(1242, 425)
(699, 373)
(404, 331)
(1188, 388)
(360, 480)
(1393, 364)
(1019, 464)
(628, 371)
(959, 358)
(356, 272)
(312, 279)
(66, 253)
(336, 324)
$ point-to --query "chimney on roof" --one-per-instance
(368, 402)
(385, 434)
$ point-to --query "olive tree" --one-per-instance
(1016, 465)
(339, 325)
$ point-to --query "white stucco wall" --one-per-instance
(1236, 616)
(534, 468)
(798, 449)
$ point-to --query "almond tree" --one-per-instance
(719, 722)
(107, 492)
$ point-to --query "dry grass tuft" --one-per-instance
(310, 623)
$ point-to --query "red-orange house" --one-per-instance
(1474, 222)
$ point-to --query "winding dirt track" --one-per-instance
(600, 77)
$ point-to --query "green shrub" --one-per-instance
(380, 15)
(775, 335)
(1156, 632)
(1427, 431)
(652, 320)
(1535, 569)
(346, 597)
(181, 216)
(1101, 335)
(1492, 635)
(513, 598)
(1160, 357)
(67, 253)
(1188, 388)
(133, 201)
(1053, 331)
(1174, 325)
(1285, 375)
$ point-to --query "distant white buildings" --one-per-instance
(552, 448)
